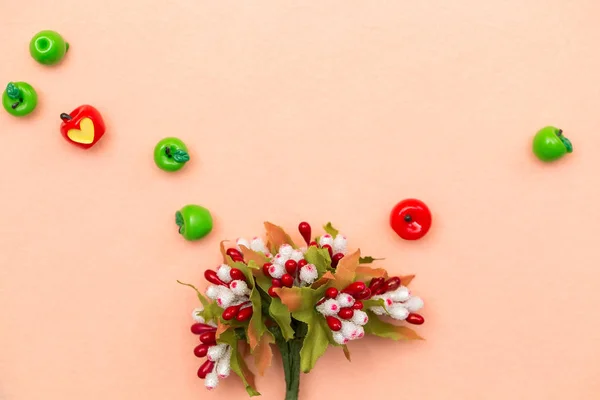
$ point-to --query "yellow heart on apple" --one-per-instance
(85, 133)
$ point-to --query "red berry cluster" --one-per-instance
(305, 230)
(380, 286)
(292, 268)
(241, 312)
(207, 338)
(358, 291)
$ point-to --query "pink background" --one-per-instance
(298, 110)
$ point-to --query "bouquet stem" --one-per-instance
(290, 354)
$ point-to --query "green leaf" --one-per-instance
(179, 221)
(316, 340)
(368, 260)
(377, 327)
(211, 310)
(12, 91)
(331, 230)
(282, 316)
(181, 156)
(238, 365)
(373, 303)
(319, 258)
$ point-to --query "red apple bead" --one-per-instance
(276, 282)
(237, 275)
(329, 249)
(365, 294)
(271, 291)
(199, 328)
(358, 305)
(313, 244)
(290, 266)
(391, 284)
(244, 314)
(266, 269)
(355, 287)
(336, 259)
(230, 312)
(212, 277)
(234, 253)
(302, 263)
(205, 369)
(346, 313)
(201, 350)
(415, 319)
(287, 280)
(331, 293)
(208, 338)
(305, 231)
(334, 323)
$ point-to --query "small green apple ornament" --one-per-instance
(48, 47)
(171, 154)
(194, 222)
(19, 99)
(549, 144)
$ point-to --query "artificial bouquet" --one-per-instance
(301, 299)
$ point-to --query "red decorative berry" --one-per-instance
(230, 312)
(375, 283)
(334, 323)
(244, 314)
(329, 249)
(365, 294)
(276, 282)
(410, 219)
(336, 259)
(287, 280)
(415, 319)
(272, 291)
(205, 369)
(201, 350)
(305, 231)
(208, 338)
(302, 263)
(331, 293)
(290, 267)
(313, 244)
(354, 288)
(237, 275)
(358, 305)
(391, 284)
(265, 269)
(346, 313)
(212, 277)
(234, 253)
(199, 328)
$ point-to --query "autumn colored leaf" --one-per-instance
(223, 251)
(346, 270)
(221, 327)
(383, 329)
(263, 354)
(406, 280)
(277, 236)
(369, 272)
(346, 352)
(328, 276)
(291, 297)
(251, 255)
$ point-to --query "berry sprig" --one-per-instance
(230, 291)
(398, 302)
(343, 311)
(218, 356)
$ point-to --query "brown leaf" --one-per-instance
(221, 327)
(371, 272)
(243, 348)
(223, 251)
(276, 236)
(291, 297)
(346, 352)
(247, 374)
(251, 255)
(263, 354)
(253, 336)
(406, 280)
(346, 270)
(327, 276)
(406, 333)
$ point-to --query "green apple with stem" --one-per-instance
(48, 47)
(19, 99)
(171, 154)
(194, 222)
(550, 144)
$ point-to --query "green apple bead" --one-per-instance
(48, 47)
(194, 222)
(171, 154)
(19, 99)
(549, 144)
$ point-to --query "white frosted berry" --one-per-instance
(286, 251)
(361, 332)
(340, 244)
(349, 330)
(196, 317)
(258, 245)
(239, 288)
(279, 259)
(339, 338)
(345, 300)
(225, 297)
(326, 239)
(378, 310)
(400, 294)
(360, 318)
(223, 273)
(413, 304)
(329, 307)
(223, 367)
(398, 312)
(212, 380)
(308, 274)
(212, 292)
(276, 270)
(216, 352)
(242, 242)
(297, 255)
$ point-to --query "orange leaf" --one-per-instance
(251, 255)
(406, 280)
(221, 327)
(327, 276)
(263, 354)
(346, 352)
(407, 334)
(346, 270)
(223, 251)
(253, 336)
(277, 236)
(247, 374)
(243, 348)
(291, 297)
(371, 272)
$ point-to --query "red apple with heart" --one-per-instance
(83, 127)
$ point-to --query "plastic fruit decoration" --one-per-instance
(19, 99)
(82, 127)
(194, 222)
(171, 154)
(550, 144)
(410, 219)
(48, 47)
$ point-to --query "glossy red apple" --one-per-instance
(83, 127)
(410, 219)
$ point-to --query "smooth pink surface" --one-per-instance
(294, 110)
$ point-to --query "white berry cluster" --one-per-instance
(339, 244)
(218, 358)
(233, 293)
(345, 321)
(398, 303)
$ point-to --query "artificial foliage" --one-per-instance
(302, 299)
